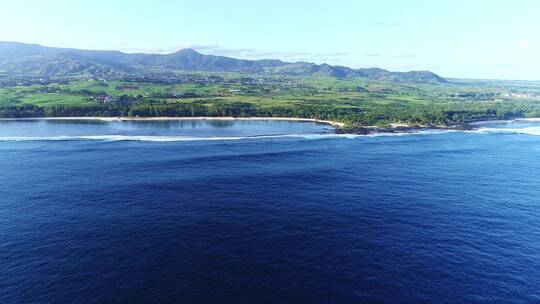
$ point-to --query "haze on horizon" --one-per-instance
(480, 39)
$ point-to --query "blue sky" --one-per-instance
(474, 39)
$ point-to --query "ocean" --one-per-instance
(217, 211)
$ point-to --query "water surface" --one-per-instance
(436, 217)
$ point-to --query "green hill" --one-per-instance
(31, 59)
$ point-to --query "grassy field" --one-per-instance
(353, 101)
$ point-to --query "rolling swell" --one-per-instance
(443, 218)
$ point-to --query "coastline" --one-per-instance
(399, 128)
(406, 128)
(335, 124)
(339, 128)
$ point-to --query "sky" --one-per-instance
(459, 38)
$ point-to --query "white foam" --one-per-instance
(535, 130)
(526, 130)
(314, 136)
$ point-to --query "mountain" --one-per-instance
(32, 59)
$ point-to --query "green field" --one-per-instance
(356, 102)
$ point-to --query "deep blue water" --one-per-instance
(95, 213)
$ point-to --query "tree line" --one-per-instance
(370, 114)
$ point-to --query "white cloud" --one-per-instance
(242, 53)
(526, 44)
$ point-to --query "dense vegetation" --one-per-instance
(37, 81)
(352, 101)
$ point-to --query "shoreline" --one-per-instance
(339, 128)
(400, 128)
(335, 124)
(405, 128)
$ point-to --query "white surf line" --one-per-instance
(173, 138)
(169, 138)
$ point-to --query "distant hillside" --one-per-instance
(32, 59)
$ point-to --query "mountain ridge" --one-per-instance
(38, 60)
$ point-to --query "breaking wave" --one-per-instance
(534, 130)
(525, 130)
